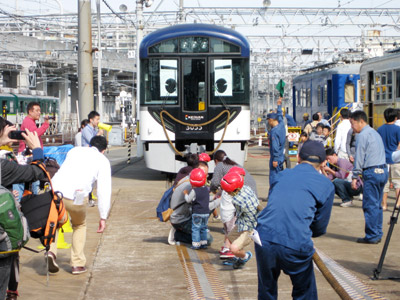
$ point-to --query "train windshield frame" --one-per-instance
(195, 70)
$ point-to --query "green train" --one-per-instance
(14, 106)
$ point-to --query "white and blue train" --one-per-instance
(194, 94)
(325, 90)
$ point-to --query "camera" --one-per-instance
(16, 135)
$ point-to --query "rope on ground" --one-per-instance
(330, 278)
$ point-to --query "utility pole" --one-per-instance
(85, 66)
(99, 57)
(181, 13)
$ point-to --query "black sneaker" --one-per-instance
(365, 241)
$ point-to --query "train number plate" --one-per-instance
(194, 128)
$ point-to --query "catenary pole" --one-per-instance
(85, 65)
(139, 37)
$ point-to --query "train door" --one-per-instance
(370, 98)
(194, 84)
(331, 109)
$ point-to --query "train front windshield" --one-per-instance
(195, 81)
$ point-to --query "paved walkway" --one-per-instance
(132, 259)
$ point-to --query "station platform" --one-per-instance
(133, 260)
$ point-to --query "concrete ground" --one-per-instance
(132, 259)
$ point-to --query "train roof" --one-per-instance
(387, 61)
(182, 30)
(340, 69)
(12, 96)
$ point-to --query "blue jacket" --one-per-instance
(299, 207)
(277, 137)
(290, 121)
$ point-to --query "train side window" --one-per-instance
(378, 87)
(363, 90)
(383, 87)
(325, 94)
(349, 93)
(389, 84)
(308, 98)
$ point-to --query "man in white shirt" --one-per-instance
(341, 134)
(81, 168)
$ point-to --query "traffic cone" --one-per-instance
(67, 226)
(61, 243)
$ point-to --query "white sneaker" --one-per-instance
(360, 197)
(347, 204)
(171, 236)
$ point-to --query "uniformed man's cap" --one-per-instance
(306, 115)
(272, 116)
(313, 151)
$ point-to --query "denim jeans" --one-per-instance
(272, 259)
(20, 187)
(5, 269)
(184, 233)
(374, 182)
(344, 191)
(199, 229)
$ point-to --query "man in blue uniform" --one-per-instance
(370, 162)
(299, 207)
(277, 137)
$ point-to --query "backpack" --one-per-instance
(164, 205)
(164, 210)
(14, 232)
(45, 212)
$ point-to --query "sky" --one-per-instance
(26, 7)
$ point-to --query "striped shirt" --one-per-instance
(246, 203)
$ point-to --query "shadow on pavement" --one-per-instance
(341, 237)
(136, 170)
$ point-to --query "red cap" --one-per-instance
(204, 157)
(198, 177)
(231, 182)
(238, 170)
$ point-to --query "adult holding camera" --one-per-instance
(13, 173)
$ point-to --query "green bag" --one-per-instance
(14, 231)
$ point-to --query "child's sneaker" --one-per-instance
(230, 261)
(225, 253)
(194, 247)
(241, 261)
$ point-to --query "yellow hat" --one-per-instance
(306, 115)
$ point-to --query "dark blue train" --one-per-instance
(325, 90)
